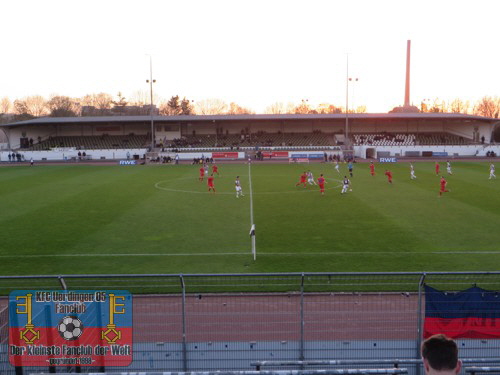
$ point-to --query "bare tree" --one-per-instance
(35, 106)
(20, 107)
(211, 107)
(459, 106)
(302, 108)
(100, 101)
(63, 106)
(5, 105)
(87, 100)
(276, 108)
(103, 101)
(360, 109)
(141, 97)
(236, 109)
(325, 108)
(290, 107)
(488, 106)
(437, 106)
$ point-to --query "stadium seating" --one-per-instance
(441, 139)
(407, 139)
(92, 142)
(260, 139)
(255, 139)
(384, 139)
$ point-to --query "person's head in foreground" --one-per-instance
(440, 356)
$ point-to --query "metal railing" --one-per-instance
(475, 369)
(354, 362)
(390, 371)
(191, 322)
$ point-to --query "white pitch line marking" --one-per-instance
(116, 255)
(159, 187)
(386, 253)
(246, 254)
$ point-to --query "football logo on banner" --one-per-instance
(70, 328)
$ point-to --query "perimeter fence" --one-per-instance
(203, 322)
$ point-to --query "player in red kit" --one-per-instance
(321, 184)
(437, 168)
(372, 168)
(388, 173)
(443, 189)
(303, 178)
(215, 169)
(210, 183)
(202, 174)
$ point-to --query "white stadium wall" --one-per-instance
(71, 154)
(228, 155)
(452, 151)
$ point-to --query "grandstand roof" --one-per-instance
(260, 117)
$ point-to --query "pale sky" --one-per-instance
(252, 52)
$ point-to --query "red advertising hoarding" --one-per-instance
(275, 154)
(225, 155)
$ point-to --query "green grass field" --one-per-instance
(80, 219)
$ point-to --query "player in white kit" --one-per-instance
(448, 167)
(345, 185)
(237, 186)
(492, 171)
(412, 172)
(337, 167)
(310, 178)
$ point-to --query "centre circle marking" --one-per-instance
(158, 185)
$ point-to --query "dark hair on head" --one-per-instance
(441, 352)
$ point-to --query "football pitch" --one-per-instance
(93, 219)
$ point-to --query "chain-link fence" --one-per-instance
(226, 322)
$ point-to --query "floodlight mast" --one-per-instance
(348, 79)
(347, 103)
(151, 81)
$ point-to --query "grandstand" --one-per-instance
(262, 139)
(368, 135)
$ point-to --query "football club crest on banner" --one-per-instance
(70, 328)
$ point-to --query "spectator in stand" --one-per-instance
(440, 356)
